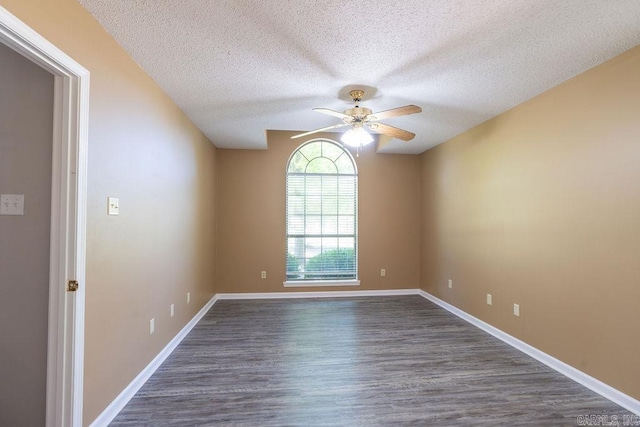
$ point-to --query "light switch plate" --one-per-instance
(113, 206)
(11, 204)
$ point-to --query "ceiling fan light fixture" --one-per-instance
(358, 117)
(357, 137)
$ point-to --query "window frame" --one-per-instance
(322, 282)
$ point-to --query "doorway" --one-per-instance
(66, 255)
(26, 127)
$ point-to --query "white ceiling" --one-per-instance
(240, 67)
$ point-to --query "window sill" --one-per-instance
(320, 283)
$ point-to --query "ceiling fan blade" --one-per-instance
(392, 131)
(320, 130)
(395, 112)
(332, 113)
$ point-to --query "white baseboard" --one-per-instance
(569, 371)
(318, 294)
(123, 398)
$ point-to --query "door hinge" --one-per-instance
(72, 286)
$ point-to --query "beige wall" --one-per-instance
(145, 151)
(251, 212)
(541, 207)
(26, 129)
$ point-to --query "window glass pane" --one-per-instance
(311, 151)
(296, 246)
(345, 165)
(332, 151)
(330, 185)
(312, 246)
(347, 184)
(312, 185)
(295, 185)
(347, 243)
(313, 205)
(332, 264)
(329, 224)
(294, 217)
(329, 243)
(346, 205)
(346, 224)
(296, 224)
(329, 205)
(321, 165)
(293, 267)
(313, 225)
(298, 163)
(295, 204)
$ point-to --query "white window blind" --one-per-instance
(322, 189)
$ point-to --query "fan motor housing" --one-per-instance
(358, 113)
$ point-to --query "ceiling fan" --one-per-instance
(359, 118)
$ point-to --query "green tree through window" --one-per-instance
(322, 189)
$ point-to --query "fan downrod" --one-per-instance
(356, 114)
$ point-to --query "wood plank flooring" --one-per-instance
(370, 361)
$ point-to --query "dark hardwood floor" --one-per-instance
(366, 361)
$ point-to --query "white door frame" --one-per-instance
(65, 347)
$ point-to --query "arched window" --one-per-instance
(322, 208)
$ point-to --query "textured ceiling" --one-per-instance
(240, 67)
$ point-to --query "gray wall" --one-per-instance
(26, 123)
